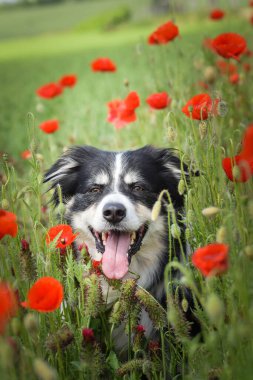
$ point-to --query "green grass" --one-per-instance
(27, 63)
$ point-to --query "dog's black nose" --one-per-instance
(114, 212)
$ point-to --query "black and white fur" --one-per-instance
(91, 179)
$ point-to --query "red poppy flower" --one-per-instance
(49, 91)
(248, 53)
(103, 64)
(122, 112)
(45, 295)
(68, 80)
(49, 126)
(251, 3)
(217, 14)
(164, 34)
(140, 329)
(8, 224)
(8, 305)
(65, 238)
(234, 78)
(226, 67)
(200, 107)
(159, 100)
(243, 161)
(229, 45)
(26, 154)
(211, 259)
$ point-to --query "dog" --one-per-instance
(109, 197)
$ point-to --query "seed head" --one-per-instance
(202, 129)
(215, 308)
(43, 370)
(181, 186)
(5, 204)
(221, 235)
(210, 74)
(175, 231)
(210, 211)
(249, 251)
(31, 323)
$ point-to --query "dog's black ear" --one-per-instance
(63, 175)
(170, 162)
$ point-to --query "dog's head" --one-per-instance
(109, 197)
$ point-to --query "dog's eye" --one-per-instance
(96, 189)
(137, 188)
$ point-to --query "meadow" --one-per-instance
(55, 345)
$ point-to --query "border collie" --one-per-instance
(109, 197)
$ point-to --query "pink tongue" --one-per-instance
(115, 260)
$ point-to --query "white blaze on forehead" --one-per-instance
(132, 177)
(117, 171)
(101, 178)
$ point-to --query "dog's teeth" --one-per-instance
(133, 237)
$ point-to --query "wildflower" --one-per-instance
(8, 305)
(203, 85)
(49, 91)
(103, 64)
(65, 238)
(164, 34)
(122, 112)
(200, 107)
(229, 45)
(159, 100)
(217, 14)
(243, 161)
(88, 335)
(8, 224)
(49, 126)
(26, 154)
(211, 259)
(234, 78)
(96, 265)
(226, 67)
(140, 329)
(68, 80)
(45, 295)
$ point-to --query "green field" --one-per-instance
(40, 44)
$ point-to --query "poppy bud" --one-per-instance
(5, 204)
(181, 187)
(185, 305)
(175, 231)
(221, 235)
(15, 326)
(172, 134)
(156, 210)
(202, 129)
(215, 308)
(249, 251)
(250, 207)
(25, 245)
(43, 370)
(210, 211)
(31, 323)
(40, 108)
(126, 82)
(236, 172)
(210, 74)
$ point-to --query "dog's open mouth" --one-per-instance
(117, 248)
